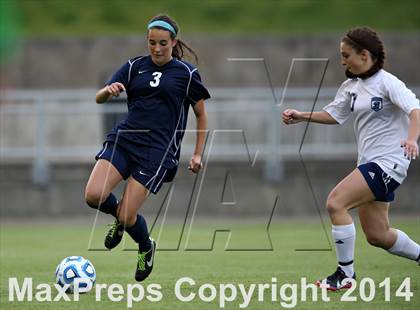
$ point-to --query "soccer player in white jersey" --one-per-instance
(386, 117)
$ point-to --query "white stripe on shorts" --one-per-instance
(151, 179)
(161, 179)
(103, 151)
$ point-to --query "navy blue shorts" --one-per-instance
(381, 184)
(150, 174)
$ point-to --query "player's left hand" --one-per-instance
(195, 163)
(411, 149)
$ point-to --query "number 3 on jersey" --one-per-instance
(156, 81)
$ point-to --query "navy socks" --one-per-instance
(140, 234)
(109, 206)
(138, 231)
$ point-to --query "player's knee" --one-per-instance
(333, 204)
(375, 240)
(127, 220)
(92, 197)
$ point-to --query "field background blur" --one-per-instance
(55, 54)
(98, 17)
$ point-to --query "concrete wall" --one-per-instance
(84, 62)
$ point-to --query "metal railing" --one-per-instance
(252, 110)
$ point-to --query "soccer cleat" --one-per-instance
(114, 235)
(336, 281)
(145, 262)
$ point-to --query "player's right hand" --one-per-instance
(195, 163)
(291, 116)
(115, 89)
(411, 149)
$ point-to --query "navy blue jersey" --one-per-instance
(158, 100)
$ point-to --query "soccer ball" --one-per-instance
(72, 268)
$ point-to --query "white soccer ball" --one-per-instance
(75, 269)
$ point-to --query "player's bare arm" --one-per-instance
(199, 109)
(112, 90)
(411, 148)
(291, 116)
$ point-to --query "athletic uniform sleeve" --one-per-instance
(400, 95)
(197, 91)
(339, 109)
(121, 76)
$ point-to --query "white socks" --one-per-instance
(405, 247)
(344, 237)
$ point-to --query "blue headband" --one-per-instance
(163, 24)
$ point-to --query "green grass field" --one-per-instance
(34, 250)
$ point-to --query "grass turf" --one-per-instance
(34, 250)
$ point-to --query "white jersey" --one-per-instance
(380, 106)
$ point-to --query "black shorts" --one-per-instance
(150, 174)
(381, 184)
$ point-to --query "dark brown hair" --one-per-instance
(181, 50)
(361, 38)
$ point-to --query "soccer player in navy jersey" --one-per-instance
(386, 118)
(144, 147)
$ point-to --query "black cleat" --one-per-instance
(114, 235)
(145, 262)
(336, 281)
